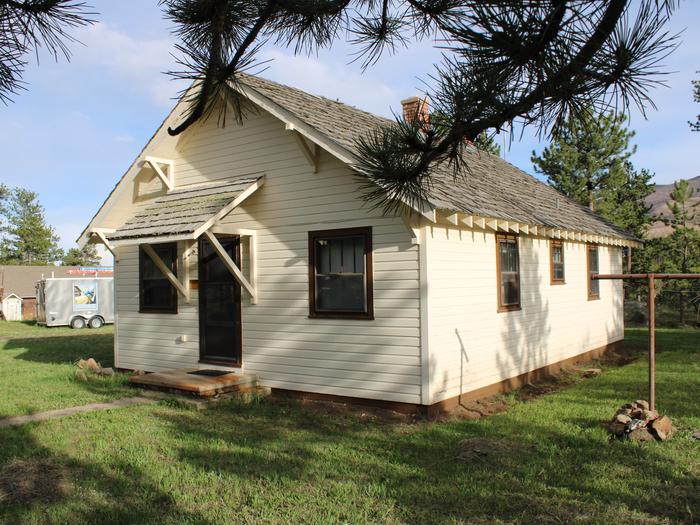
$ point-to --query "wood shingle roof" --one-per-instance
(492, 187)
(183, 211)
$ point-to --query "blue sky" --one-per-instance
(72, 135)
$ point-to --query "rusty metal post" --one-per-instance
(652, 343)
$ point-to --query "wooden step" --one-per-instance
(185, 381)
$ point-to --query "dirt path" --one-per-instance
(63, 412)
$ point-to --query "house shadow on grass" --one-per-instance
(63, 349)
(56, 488)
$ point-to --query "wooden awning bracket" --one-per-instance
(233, 268)
(157, 163)
(181, 288)
(99, 233)
(311, 152)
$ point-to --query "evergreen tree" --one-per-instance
(695, 126)
(583, 156)
(588, 161)
(487, 142)
(85, 256)
(623, 199)
(28, 239)
(675, 253)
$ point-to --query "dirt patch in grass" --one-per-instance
(490, 449)
(478, 408)
(362, 412)
(24, 482)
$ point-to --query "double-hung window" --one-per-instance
(556, 259)
(340, 274)
(508, 269)
(593, 268)
(156, 293)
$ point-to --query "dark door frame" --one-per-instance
(202, 308)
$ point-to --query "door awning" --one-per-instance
(185, 214)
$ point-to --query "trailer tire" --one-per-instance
(77, 323)
(96, 322)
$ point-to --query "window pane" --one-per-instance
(558, 271)
(340, 255)
(509, 256)
(336, 255)
(340, 293)
(593, 260)
(557, 255)
(510, 293)
(595, 287)
(323, 256)
(157, 293)
(359, 255)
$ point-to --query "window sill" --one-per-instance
(504, 309)
(557, 283)
(594, 297)
(351, 317)
(232, 363)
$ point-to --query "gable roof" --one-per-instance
(21, 280)
(491, 188)
(183, 212)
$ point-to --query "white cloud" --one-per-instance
(137, 63)
(333, 80)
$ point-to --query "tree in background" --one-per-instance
(486, 142)
(695, 126)
(684, 250)
(85, 256)
(588, 161)
(623, 200)
(675, 253)
(4, 194)
(27, 237)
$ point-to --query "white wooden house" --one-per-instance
(247, 247)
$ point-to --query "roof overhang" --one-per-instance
(497, 225)
(153, 224)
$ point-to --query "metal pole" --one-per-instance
(652, 343)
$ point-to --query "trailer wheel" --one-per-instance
(77, 323)
(96, 322)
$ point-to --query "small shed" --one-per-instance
(12, 307)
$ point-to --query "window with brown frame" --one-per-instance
(508, 270)
(593, 268)
(340, 274)
(556, 262)
(156, 293)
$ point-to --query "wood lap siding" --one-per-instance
(472, 346)
(378, 359)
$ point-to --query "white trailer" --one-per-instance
(76, 302)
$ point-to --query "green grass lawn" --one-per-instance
(544, 461)
(36, 367)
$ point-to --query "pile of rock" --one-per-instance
(85, 366)
(636, 422)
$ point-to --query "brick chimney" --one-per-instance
(416, 108)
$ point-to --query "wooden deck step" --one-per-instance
(195, 382)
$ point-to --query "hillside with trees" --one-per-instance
(659, 203)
